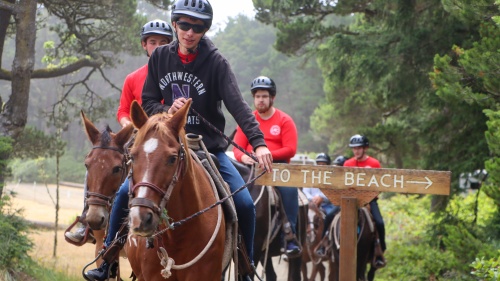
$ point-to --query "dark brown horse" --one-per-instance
(168, 185)
(315, 226)
(106, 170)
(366, 247)
(267, 239)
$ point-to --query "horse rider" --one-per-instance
(192, 67)
(281, 137)
(319, 198)
(154, 33)
(359, 145)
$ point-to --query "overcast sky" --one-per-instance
(230, 8)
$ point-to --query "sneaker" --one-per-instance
(379, 262)
(104, 272)
(321, 251)
(79, 234)
(292, 249)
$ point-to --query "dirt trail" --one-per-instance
(39, 207)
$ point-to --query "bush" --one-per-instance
(14, 242)
(486, 270)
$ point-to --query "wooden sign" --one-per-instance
(365, 179)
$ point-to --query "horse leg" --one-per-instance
(334, 270)
(303, 269)
(270, 273)
(294, 269)
(321, 268)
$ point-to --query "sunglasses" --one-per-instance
(186, 26)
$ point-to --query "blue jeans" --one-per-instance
(119, 212)
(243, 202)
(290, 200)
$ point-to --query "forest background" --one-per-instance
(419, 78)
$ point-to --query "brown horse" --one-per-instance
(168, 185)
(106, 170)
(314, 229)
(366, 248)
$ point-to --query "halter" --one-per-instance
(103, 200)
(145, 202)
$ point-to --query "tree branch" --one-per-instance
(4, 5)
(55, 72)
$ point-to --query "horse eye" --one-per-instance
(116, 169)
(171, 160)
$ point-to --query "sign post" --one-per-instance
(351, 188)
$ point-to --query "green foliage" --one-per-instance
(33, 143)
(486, 270)
(43, 170)
(13, 238)
(298, 80)
(440, 246)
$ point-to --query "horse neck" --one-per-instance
(187, 196)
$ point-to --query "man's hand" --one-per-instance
(247, 160)
(317, 200)
(265, 158)
(178, 103)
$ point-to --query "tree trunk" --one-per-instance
(4, 24)
(15, 114)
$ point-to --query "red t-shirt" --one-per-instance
(132, 90)
(280, 135)
(370, 162)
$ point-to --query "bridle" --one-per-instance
(148, 203)
(94, 198)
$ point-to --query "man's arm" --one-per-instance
(151, 94)
(289, 138)
(241, 140)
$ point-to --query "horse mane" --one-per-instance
(159, 124)
(106, 136)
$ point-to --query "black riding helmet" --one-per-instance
(198, 9)
(359, 140)
(339, 161)
(323, 157)
(156, 27)
(263, 82)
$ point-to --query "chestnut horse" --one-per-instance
(315, 226)
(106, 170)
(366, 248)
(168, 185)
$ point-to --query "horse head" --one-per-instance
(159, 160)
(106, 170)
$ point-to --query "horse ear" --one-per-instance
(124, 135)
(178, 120)
(92, 132)
(137, 115)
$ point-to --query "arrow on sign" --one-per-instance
(428, 182)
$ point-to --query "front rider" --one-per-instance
(153, 34)
(281, 137)
(192, 67)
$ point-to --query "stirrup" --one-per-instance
(85, 236)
